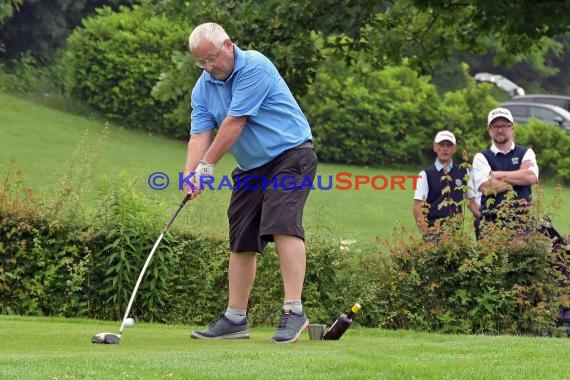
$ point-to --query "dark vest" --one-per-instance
(504, 162)
(437, 181)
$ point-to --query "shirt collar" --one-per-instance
(239, 62)
(439, 165)
(496, 150)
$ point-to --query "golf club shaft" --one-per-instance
(180, 206)
(149, 258)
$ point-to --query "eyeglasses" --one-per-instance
(500, 126)
(202, 64)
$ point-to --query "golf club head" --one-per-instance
(106, 338)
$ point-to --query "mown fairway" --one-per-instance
(42, 348)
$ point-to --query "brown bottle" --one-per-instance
(341, 324)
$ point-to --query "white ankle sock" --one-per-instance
(296, 306)
(235, 315)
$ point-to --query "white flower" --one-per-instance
(345, 244)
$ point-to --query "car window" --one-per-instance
(554, 101)
(519, 111)
(558, 102)
(544, 113)
(563, 102)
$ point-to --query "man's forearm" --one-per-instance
(474, 207)
(197, 147)
(419, 216)
(228, 134)
(521, 177)
(494, 186)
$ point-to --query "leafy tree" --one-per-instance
(421, 33)
(406, 33)
(518, 25)
(364, 116)
(282, 30)
(41, 27)
(560, 81)
(7, 8)
(530, 70)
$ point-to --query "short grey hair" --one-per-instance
(209, 31)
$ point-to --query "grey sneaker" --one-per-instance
(223, 328)
(290, 327)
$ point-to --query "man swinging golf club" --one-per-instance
(242, 95)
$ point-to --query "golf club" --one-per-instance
(110, 338)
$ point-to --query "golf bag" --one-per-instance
(561, 249)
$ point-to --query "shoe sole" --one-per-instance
(238, 335)
(296, 337)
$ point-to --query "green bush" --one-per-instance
(505, 284)
(368, 117)
(20, 75)
(552, 147)
(389, 117)
(42, 259)
(113, 61)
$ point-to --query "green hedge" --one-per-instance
(56, 270)
(113, 61)
(42, 266)
(460, 285)
(89, 268)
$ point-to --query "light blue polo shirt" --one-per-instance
(255, 89)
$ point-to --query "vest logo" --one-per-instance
(515, 160)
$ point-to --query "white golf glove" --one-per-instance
(206, 172)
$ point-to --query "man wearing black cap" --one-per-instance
(504, 167)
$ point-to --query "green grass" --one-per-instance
(47, 144)
(47, 348)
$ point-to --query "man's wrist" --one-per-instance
(202, 162)
(499, 176)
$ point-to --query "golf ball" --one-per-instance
(129, 322)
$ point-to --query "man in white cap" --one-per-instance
(505, 166)
(431, 188)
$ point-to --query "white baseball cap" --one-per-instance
(443, 136)
(499, 112)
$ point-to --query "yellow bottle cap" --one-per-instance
(356, 308)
